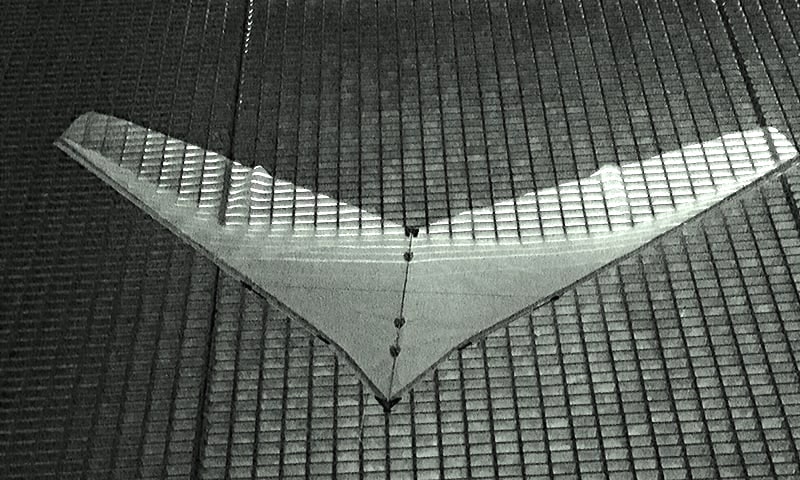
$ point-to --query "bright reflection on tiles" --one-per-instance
(612, 199)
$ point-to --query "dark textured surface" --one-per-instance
(123, 354)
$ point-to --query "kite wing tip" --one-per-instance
(82, 129)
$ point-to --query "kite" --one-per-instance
(396, 299)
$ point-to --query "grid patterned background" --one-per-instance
(124, 354)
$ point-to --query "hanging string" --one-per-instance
(399, 321)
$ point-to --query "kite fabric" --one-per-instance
(396, 299)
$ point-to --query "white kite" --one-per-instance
(393, 299)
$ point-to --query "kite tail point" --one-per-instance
(387, 403)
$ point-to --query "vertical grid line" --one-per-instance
(173, 101)
(488, 6)
(381, 183)
(682, 78)
(639, 374)
(309, 403)
(784, 260)
(464, 417)
(201, 438)
(707, 337)
(335, 417)
(413, 423)
(287, 345)
(113, 330)
(361, 414)
(592, 397)
(628, 113)
(642, 271)
(545, 116)
(320, 76)
(525, 113)
(193, 112)
(152, 373)
(742, 72)
(127, 376)
(340, 82)
(445, 157)
(642, 85)
(273, 162)
(160, 68)
(557, 323)
(212, 106)
(262, 356)
(387, 458)
(570, 133)
(753, 403)
(790, 200)
(760, 334)
(540, 394)
(399, 73)
(178, 366)
(8, 54)
(741, 64)
(68, 422)
(592, 140)
(108, 348)
(439, 434)
(359, 110)
(457, 69)
(708, 91)
(481, 96)
(515, 401)
(780, 52)
(300, 92)
(604, 315)
(489, 407)
(237, 345)
(421, 117)
(665, 264)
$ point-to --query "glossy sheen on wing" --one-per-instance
(345, 272)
